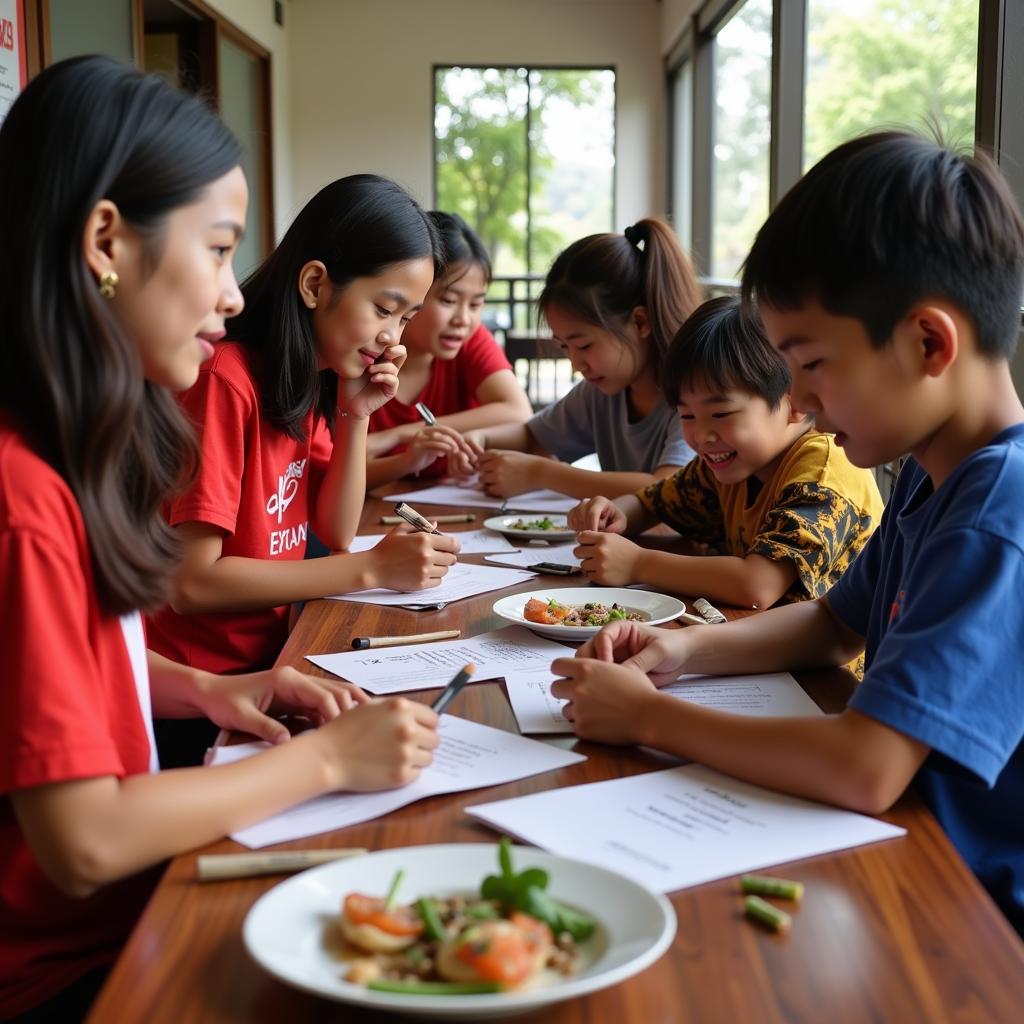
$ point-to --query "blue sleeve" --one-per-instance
(566, 427)
(946, 671)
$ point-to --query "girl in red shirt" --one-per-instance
(282, 412)
(455, 368)
(115, 275)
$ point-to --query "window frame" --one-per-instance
(999, 109)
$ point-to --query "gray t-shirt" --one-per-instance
(586, 421)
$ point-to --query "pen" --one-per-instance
(451, 691)
(413, 518)
(425, 414)
(462, 517)
(216, 866)
(361, 643)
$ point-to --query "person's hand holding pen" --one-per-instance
(408, 559)
(434, 442)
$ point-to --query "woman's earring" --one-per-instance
(108, 283)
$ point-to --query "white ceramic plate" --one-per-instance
(503, 525)
(657, 608)
(291, 930)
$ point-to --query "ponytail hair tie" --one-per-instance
(634, 235)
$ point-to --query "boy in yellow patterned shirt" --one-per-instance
(781, 509)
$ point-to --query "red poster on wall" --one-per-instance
(13, 69)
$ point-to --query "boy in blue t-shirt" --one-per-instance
(890, 278)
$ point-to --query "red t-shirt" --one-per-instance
(452, 388)
(70, 711)
(257, 485)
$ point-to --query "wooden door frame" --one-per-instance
(39, 54)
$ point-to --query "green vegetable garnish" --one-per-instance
(481, 912)
(431, 919)
(434, 988)
(526, 892)
(392, 897)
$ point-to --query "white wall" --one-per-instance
(361, 81)
(256, 19)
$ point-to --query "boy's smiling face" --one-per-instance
(736, 433)
(870, 398)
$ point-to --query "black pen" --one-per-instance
(413, 518)
(451, 691)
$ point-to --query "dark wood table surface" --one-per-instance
(896, 931)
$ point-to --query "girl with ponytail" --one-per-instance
(613, 303)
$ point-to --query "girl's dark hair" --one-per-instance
(87, 129)
(460, 245)
(357, 227)
(724, 348)
(603, 278)
(886, 220)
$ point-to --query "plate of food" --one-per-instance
(469, 930)
(526, 527)
(576, 613)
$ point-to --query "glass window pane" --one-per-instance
(240, 108)
(572, 159)
(682, 152)
(742, 134)
(889, 63)
(91, 26)
(480, 156)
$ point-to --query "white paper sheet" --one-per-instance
(766, 696)
(541, 552)
(469, 497)
(387, 670)
(471, 542)
(462, 580)
(680, 827)
(469, 756)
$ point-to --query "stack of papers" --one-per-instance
(469, 756)
(680, 827)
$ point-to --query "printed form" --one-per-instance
(469, 497)
(766, 696)
(680, 827)
(426, 666)
(469, 756)
(471, 542)
(462, 580)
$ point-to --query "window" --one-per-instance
(681, 100)
(742, 134)
(526, 156)
(889, 64)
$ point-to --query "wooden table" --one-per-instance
(899, 931)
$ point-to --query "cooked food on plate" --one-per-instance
(592, 613)
(512, 933)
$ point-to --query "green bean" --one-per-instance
(765, 885)
(434, 988)
(431, 919)
(764, 913)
